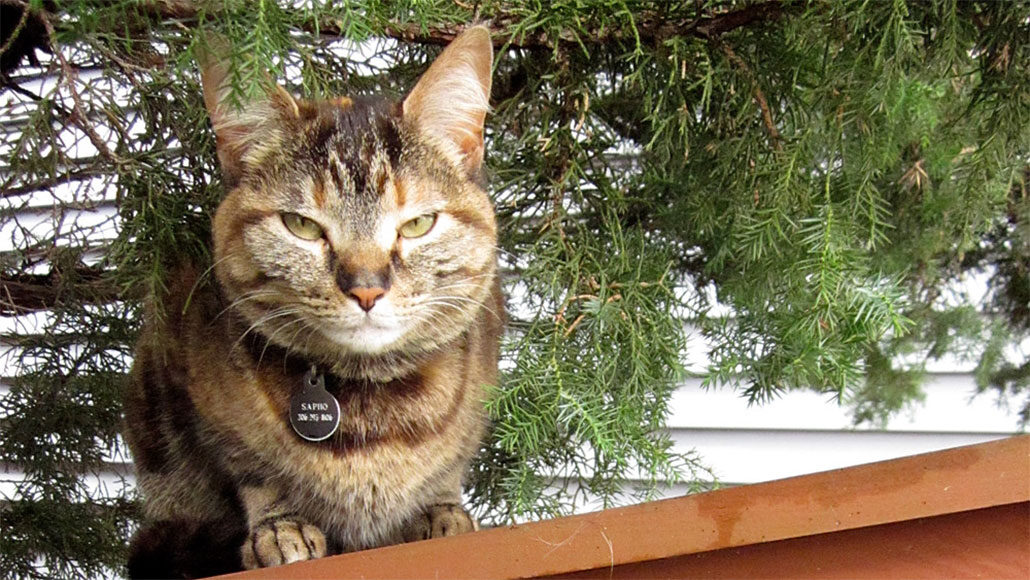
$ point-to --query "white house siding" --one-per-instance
(805, 432)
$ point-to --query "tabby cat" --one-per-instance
(354, 255)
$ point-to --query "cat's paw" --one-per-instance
(280, 542)
(439, 520)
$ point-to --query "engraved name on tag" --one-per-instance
(314, 413)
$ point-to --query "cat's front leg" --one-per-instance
(439, 520)
(277, 536)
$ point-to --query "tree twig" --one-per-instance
(50, 182)
(650, 29)
(24, 293)
(78, 115)
(756, 91)
(17, 30)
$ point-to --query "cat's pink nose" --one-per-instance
(366, 297)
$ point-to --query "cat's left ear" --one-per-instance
(244, 132)
(449, 103)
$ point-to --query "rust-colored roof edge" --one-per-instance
(951, 481)
(992, 543)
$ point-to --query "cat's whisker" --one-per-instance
(429, 316)
(468, 279)
(464, 299)
(271, 337)
(246, 297)
(206, 272)
(471, 281)
(454, 289)
(501, 250)
(296, 345)
(290, 343)
(277, 313)
(227, 256)
(312, 331)
(431, 312)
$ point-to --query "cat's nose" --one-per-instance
(366, 297)
(364, 285)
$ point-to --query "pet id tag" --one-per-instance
(314, 413)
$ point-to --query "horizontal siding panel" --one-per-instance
(99, 226)
(752, 455)
(118, 481)
(698, 347)
(950, 406)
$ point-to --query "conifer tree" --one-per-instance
(813, 186)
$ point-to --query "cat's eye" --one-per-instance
(302, 227)
(419, 226)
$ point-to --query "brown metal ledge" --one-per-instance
(959, 513)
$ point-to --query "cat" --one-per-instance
(354, 254)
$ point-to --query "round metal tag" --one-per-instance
(314, 413)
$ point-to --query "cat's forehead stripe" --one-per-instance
(469, 218)
(400, 190)
(249, 219)
(339, 173)
(360, 152)
(318, 192)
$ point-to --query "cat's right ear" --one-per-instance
(245, 132)
(449, 103)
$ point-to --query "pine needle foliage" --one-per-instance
(812, 185)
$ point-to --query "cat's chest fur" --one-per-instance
(396, 440)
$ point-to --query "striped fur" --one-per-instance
(226, 481)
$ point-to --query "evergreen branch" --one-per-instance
(17, 29)
(756, 89)
(44, 184)
(719, 24)
(22, 293)
(14, 86)
(78, 116)
(650, 28)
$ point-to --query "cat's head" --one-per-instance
(355, 227)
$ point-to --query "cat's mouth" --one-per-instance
(368, 335)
